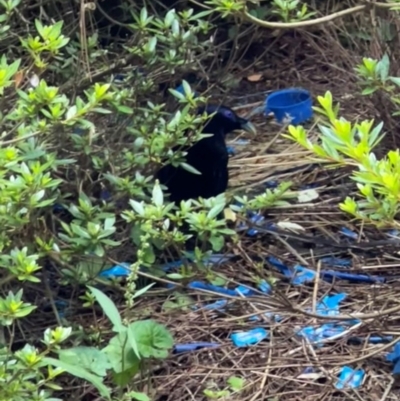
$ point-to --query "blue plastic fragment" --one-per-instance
(329, 306)
(269, 315)
(333, 261)
(280, 266)
(394, 356)
(348, 233)
(349, 378)
(179, 348)
(217, 305)
(396, 369)
(121, 270)
(302, 275)
(264, 287)
(251, 337)
(308, 369)
(245, 291)
(358, 278)
(231, 150)
(373, 339)
(317, 334)
(256, 219)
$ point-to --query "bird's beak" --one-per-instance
(248, 127)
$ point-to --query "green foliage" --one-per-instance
(68, 130)
(345, 144)
(235, 386)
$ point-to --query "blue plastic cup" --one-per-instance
(293, 103)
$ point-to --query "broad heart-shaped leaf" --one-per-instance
(153, 339)
(109, 308)
(89, 358)
(80, 372)
(120, 354)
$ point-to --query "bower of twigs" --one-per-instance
(275, 369)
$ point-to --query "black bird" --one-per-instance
(209, 156)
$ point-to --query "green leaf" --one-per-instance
(217, 242)
(236, 383)
(133, 343)
(120, 354)
(382, 68)
(89, 358)
(154, 339)
(395, 80)
(80, 372)
(109, 308)
(139, 396)
(158, 197)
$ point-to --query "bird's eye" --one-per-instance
(228, 114)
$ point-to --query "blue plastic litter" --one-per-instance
(246, 338)
(257, 219)
(217, 305)
(372, 339)
(293, 103)
(348, 233)
(394, 357)
(231, 150)
(121, 270)
(245, 291)
(269, 315)
(349, 378)
(264, 287)
(329, 275)
(302, 275)
(280, 266)
(329, 306)
(396, 369)
(333, 261)
(179, 348)
(316, 334)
